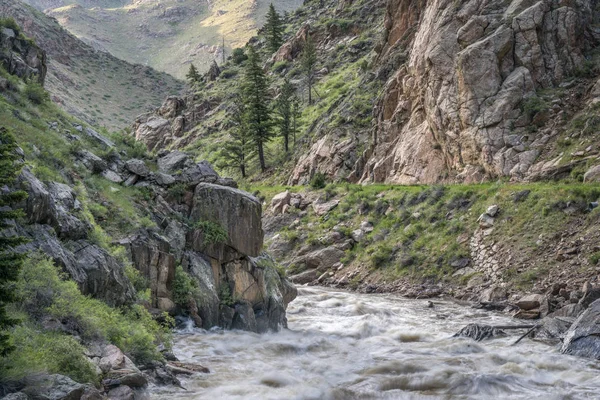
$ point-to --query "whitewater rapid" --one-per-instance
(343, 346)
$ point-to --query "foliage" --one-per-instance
(238, 56)
(213, 233)
(283, 107)
(239, 149)
(225, 298)
(10, 23)
(256, 101)
(184, 287)
(534, 105)
(44, 292)
(193, 76)
(318, 181)
(39, 351)
(36, 93)
(274, 29)
(10, 261)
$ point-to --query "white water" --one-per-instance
(353, 346)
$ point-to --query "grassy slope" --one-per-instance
(342, 98)
(92, 85)
(163, 37)
(420, 230)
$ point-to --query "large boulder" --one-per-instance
(173, 162)
(236, 211)
(137, 167)
(206, 297)
(583, 338)
(53, 387)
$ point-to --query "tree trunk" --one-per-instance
(286, 142)
(309, 92)
(243, 170)
(261, 157)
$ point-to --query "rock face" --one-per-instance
(583, 338)
(21, 57)
(454, 108)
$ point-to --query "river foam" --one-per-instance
(353, 346)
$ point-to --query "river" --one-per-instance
(343, 346)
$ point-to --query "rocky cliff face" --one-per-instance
(20, 56)
(456, 109)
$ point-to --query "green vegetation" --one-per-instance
(193, 77)
(238, 151)
(308, 62)
(284, 109)
(213, 233)
(10, 261)
(274, 29)
(184, 287)
(36, 93)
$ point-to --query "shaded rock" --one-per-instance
(112, 176)
(493, 294)
(527, 314)
(121, 393)
(592, 174)
(553, 328)
(163, 179)
(53, 387)
(244, 318)
(305, 277)
(583, 338)
(91, 161)
(137, 167)
(200, 172)
(99, 138)
(207, 298)
(173, 162)
(589, 297)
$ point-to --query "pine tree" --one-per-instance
(193, 76)
(10, 261)
(283, 106)
(256, 102)
(309, 60)
(295, 115)
(274, 29)
(237, 151)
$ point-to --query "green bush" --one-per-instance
(183, 287)
(213, 232)
(318, 181)
(534, 105)
(10, 23)
(44, 292)
(238, 56)
(36, 93)
(37, 351)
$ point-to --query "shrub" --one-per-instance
(225, 296)
(318, 181)
(44, 292)
(228, 73)
(534, 105)
(183, 287)
(50, 352)
(10, 23)
(238, 56)
(213, 232)
(36, 93)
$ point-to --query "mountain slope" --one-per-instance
(165, 34)
(87, 83)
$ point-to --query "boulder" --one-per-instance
(112, 358)
(137, 167)
(102, 140)
(237, 212)
(163, 179)
(64, 205)
(112, 176)
(531, 301)
(173, 162)
(92, 161)
(121, 393)
(53, 387)
(583, 338)
(492, 211)
(485, 221)
(201, 172)
(279, 201)
(493, 294)
(592, 174)
(323, 208)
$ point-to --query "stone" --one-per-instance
(132, 180)
(112, 176)
(589, 297)
(198, 173)
(237, 212)
(121, 393)
(323, 208)
(16, 396)
(492, 211)
(531, 301)
(173, 162)
(592, 174)
(358, 235)
(99, 138)
(583, 338)
(527, 314)
(493, 294)
(305, 277)
(112, 358)
(485, 221)
(244, 318)
(53, 387)
(163, 179)
(137, 167)
(155, 132)
(279, 201)
(92, 161)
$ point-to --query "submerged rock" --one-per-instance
(479, 332)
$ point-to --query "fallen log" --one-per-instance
(480, 332)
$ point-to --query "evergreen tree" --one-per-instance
(295, 115)
(10, 261)
(193, 76)
(237, 151)
(309, 60)
(274, 29)
(256, 103)
(283, 106)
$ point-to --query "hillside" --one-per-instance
(166, 35)
(391, 107)
(90, 84)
